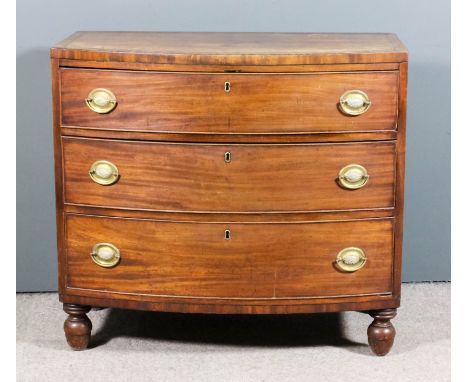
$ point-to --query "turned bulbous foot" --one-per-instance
(77, 326)
(381, 332)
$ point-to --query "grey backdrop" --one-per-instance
(423, 25)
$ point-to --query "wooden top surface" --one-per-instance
(215, 48)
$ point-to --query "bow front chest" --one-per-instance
(252, 173)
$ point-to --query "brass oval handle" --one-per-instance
(351, 259)
(104, 172)
(105, 255)
(101, 100)
(353, 176)
(354, 102)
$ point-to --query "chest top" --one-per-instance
(232, 48)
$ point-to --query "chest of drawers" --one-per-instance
(237, 173)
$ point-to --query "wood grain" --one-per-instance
(259, 261)
(256, 103)
(381, 332)
(195, 177)
(228, 68)
(77, 326)
(266, 217)
(400, 179)
(369, 135)
(232, 48)
(225, 306)
(58, 172)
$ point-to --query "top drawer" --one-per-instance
(229, 103)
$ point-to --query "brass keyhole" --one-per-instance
(227, 234)
(227, 157)
(227, 86)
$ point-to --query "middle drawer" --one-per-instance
(228, 178)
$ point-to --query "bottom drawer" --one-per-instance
(257, 260)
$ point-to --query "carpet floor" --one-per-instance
(143, 346)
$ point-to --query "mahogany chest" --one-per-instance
(238, 173)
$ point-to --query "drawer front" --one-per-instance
(252, 103)
(253, 178)
(258, 261)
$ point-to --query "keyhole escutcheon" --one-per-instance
(227, 234)
(227, 157)
(227, 86)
